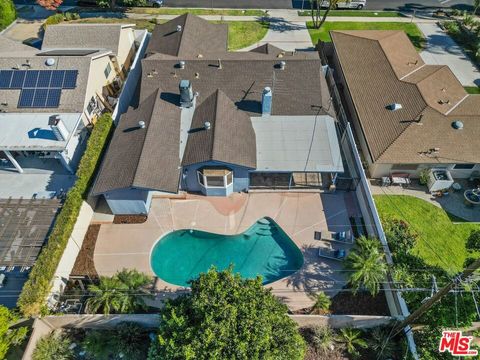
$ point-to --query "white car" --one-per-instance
(353, 4)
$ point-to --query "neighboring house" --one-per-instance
(407, 115)
(49, 96)
(216, 122)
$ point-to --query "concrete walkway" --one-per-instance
(441, 49)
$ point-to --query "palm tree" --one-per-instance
(322, 303)
(122, 293)
(53, 346)
(323, 339)
(366, 265)
(381, 343)
(476, 5)
(351, 339)
(108, 296)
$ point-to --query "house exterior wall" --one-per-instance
(129, 201)
(379, 170)
(189, 181)
(125, 47)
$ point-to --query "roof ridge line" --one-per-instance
(456, 105)
(181, 33)
(413, 72)
(438, 69)
(154, 93)
(216, 93)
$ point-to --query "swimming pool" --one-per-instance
(264, 249)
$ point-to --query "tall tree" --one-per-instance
(319, 6)
(8, 335)
(226, 317)
(50, 4)
(366, 266)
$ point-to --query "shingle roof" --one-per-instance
(228, 93)
(381, 68)
(11, 48)
(142, 158)
(230, 139)
(197, 36)
(83, 36)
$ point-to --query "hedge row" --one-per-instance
(8, 14)
(35, 291)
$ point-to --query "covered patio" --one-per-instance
(298, 214)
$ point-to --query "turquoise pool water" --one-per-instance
(264, 249)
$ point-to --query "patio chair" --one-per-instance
(344, 237)
(332, 254)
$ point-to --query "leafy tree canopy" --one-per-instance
(226, 317)
(9, 336)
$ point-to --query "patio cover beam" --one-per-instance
(13, 161)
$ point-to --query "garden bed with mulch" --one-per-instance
(84, 265)
(129, 219)
(345, 303)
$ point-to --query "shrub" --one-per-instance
(226, 317)
(473, 241)
(423, 179)
(37, 287)
(401, 239)
(9, 336)
(53, 20)
(53, 347)
(69, 16)
(8, 14)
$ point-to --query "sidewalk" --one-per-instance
(441, 49)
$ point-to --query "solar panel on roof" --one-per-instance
(5, 78)
(26, 98)
(44, 78)
(17, 79)
(31, 79)
(40, 98)
(70, 80)
(53, 98)
(56, 80)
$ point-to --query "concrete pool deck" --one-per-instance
(299, 214)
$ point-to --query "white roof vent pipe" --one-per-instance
(141, 124)
(179, 28)
(181, 64)
(50, 62)
(394, 106)
(282, 65)
(207, 125)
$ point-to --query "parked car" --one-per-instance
(155, 3)
(354, 4)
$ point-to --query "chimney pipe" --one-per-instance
(141, 124)
(267, 101)
(182, 64)
(179, 28)
(282, 65)
(186, 93)
(207, 125)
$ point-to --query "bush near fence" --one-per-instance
(35, 291)
(8, 14)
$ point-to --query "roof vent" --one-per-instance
(457, 125)
(282, 65)
(141, 124)
(207, 125)
(181, 64)
(50, 62)
(179, 28)
(394, 106)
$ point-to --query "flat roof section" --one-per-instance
(297, 144)
(30, 131)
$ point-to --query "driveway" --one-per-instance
(442, 50)
(299, 214)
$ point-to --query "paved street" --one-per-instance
(442, 50)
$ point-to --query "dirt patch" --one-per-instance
(129, 219)
(345, 303)
(84, 265)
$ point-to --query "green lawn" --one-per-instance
(472, 89)
(412, 30)
(440, 241)
(180, 11)
(357, 13)
(244, 33)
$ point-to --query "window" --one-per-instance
(215, 177)
(107, 70)
(463, 166)
(91, 105)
